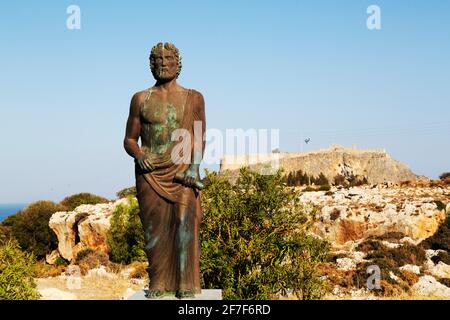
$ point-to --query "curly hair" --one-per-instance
(167, 46)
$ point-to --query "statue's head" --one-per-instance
(165, 61)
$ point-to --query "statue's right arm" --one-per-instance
(132, 133)
(133, 128)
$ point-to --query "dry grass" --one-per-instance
(139, 270)
(44, 270)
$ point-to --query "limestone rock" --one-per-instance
(100, 272)
(431, 253)
(440, 270)
(411, 268)
(52, 257)
(346, 264)
(429, 286)
(349, 215)
(85, 227)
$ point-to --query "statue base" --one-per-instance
(207, 294)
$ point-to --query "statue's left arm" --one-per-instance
(192, 175)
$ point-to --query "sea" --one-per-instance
(7, 209)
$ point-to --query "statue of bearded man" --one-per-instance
(167, 175)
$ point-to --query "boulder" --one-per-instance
(430, 287)
(346, 264)
(411, 268)
(84, 227)
(440, 270)
(52, 257)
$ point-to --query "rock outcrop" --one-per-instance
(85, 227)
(428, 286)
(374, 165)
(349, 215)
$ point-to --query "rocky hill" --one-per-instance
(374, 165)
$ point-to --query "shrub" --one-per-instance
(340, 180)
(73, 201)
(440, 240)
(88, 259)
(405, 254)
(139, 270)
(440, 205)
(370, 245)
(321, 180)
(254, 242)
(60, 261)
(125, 237)
(320, 188)
(124, 193)
(356, 181)
(30, 227)
(389, 260)
(410, 277)
(5, 234)
(444, 176)
(391, 236)
(445, 281)
(16, 273)
(44, 270)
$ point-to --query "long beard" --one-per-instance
(161, 75)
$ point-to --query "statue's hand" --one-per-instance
(191, 178)
(145, 164)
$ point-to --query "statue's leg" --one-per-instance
(184, 238)
(157, 215)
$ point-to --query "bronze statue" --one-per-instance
(168, 190)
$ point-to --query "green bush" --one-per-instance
(389, 260)
(73, 201)
(16, 273)
(314, 189)
(125, 237)
(60, 261)
(440, 205)
(30, 227)
(124, 193)
(5, 234)
(440, 240)
(254, 242)
(444, 176)
(298, 178)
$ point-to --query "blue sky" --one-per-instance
(310, 68)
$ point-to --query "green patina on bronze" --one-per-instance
(160, 131)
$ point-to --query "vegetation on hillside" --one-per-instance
(31, 230)
(16, 273)
(125, 237)
(73, 201)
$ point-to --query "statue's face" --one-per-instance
(166, 65)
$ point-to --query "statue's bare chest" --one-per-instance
(164, 109)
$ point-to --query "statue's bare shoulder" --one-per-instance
(199, 105)
(136, 101)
